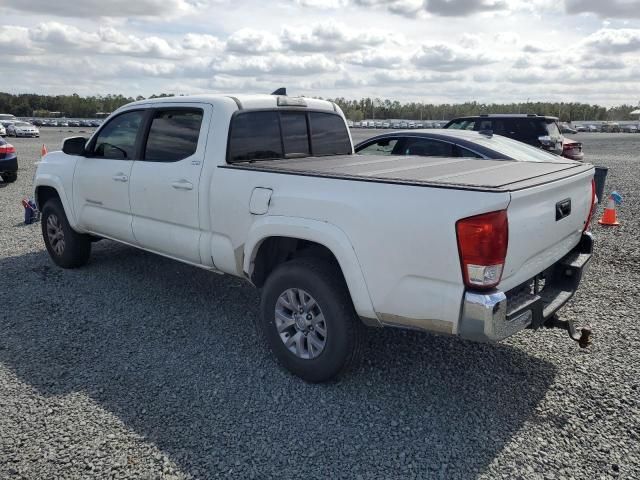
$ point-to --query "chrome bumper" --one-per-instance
(484, 318)
(494, 316)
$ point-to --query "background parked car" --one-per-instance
(3, 131)
(629, 128)
(8, 162)
(452, 143)
(567, 128)
(22, 129)
(610, 127)
(572, 149)
(535, 130)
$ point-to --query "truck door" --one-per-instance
(101, 178)
(165, 181)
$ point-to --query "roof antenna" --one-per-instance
(280, 91)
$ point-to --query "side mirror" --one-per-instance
(74, 145)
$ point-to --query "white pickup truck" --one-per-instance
(266, 187)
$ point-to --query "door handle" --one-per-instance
(182, 185)
(120, 177)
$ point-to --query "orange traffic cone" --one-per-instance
(610, 217)
(43, 150)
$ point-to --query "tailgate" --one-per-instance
(545, 223)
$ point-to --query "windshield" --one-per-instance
(22, 124)
(518, 150)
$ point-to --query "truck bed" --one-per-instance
(460, 173)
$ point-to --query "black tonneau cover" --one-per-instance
(463, 173)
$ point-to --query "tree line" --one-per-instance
(75, 106)
(368, 108)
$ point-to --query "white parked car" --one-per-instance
(267, 188)
(3, 131)
(22, 129)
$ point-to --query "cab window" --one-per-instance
(173, 135)
(117, 139)
(425, 147)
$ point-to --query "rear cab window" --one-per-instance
(278, 134)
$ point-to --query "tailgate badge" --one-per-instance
(563, 209)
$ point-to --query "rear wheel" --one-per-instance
(9, 177)
(309, 321)
(66, 247)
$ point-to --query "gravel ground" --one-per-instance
(140, 367)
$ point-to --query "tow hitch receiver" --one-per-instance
(582, 336)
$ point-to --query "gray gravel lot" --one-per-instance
(137, 366)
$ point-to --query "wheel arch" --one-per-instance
(49, 187)
(277, 238)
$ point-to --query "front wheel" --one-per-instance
(309, 321)
(66, 247)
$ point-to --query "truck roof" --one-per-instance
(244, 101)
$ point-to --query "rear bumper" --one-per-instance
(496, 315)
(8, 165)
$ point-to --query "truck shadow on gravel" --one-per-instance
(172, 352)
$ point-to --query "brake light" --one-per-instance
(587, 225)
(482, 245)
(7, 148)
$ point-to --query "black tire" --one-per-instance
(76, 247)
(344, 330)
(9, 177)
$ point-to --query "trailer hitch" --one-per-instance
(582, 336)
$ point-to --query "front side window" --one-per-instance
(329, 135)
(381, 147)
(173, 135)
(255, 136)
(117, 139)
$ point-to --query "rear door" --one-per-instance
(101, 179)
(165, 181)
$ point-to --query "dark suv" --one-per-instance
(535, 130)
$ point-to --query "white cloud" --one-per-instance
(249, 40)
(442, 50)
(614, 41)
(448, 58)
(608, 9)
(102, 8)
(460, 8)
(329, 37)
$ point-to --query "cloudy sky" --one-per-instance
(427, 50)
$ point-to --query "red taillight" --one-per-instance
(587, 225)
(7, 148)
(482, 245)
(571, 146)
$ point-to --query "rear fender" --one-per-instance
(323, 233)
